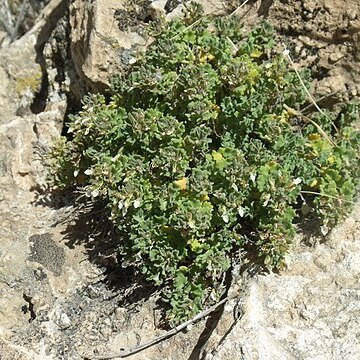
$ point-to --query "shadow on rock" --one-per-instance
(88, 225)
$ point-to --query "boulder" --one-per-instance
(98, 46)
(106, 35)
(310, 311)
(23, 132)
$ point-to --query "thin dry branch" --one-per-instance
(238, 8)
(19, 20)
(307, 107)
(286, 53)
(328, 196)
(322, 132)
(172, 332)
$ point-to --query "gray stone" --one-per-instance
(310, 311)
(103, 44)
(63, 320)
(97, 42)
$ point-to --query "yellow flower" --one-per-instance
(205, 197)
(182, 183)
(314, 137)
(256, 53)
(218, 158)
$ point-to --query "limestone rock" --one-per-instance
(106, 35)
(20, 75)
(23, 133)
(310, 311)
(335, 82)
(97, 42)
(16, 139)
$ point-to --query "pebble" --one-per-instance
(63, 321)
(354, 92)
(334, 57)
(120, 313)
(352, 14)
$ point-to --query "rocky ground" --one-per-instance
(61, 294)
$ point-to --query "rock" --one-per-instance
(5, 83)
(334, 82)
(97, 42)
(63, 320)
(46, 252)
(310, 311)
(23, 133)
(21, 165)
(22, 78)
(106, 35)
(22, 71)
(12, 352)
(16, 140)
(334, 57)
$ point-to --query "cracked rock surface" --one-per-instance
(62, 293)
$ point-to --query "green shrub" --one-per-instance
(202, 151)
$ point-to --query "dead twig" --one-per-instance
(18, 20)
(286, 53)
(172, 332)
(238, 8)
(307, 119)
(307, 107)
(328, 196)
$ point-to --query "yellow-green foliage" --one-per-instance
(32, 82)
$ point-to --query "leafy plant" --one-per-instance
(201, 150)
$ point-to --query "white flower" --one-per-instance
(286, 51)
(267, 199)
(136, 203)
(191, 224)
(88, 172)
(324, 230)
(241, 211)
(297, 181)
